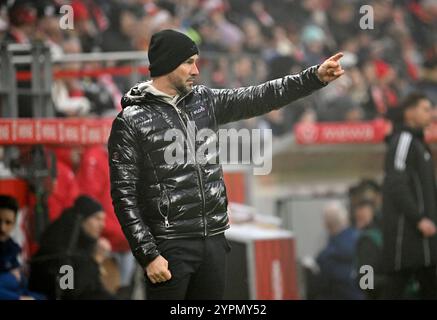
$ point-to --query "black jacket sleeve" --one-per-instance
(243, 103)
(124, 163)
(399, 164)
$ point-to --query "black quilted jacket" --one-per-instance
(154, 200)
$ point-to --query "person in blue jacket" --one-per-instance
(13, 283)
(337, 277)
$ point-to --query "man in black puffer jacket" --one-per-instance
(174, 215)
(410, 204)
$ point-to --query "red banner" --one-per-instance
(96, 131)
(350, 133)
(54, 131)
(341, 132)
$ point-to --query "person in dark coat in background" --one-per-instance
(93, 178)
(410, 203)
(71, 240)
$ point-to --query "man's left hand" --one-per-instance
(330, 69)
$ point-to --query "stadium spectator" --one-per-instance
(22, 21)
(395, 56)
(336, 279)
(122, 29)
(47, 28)
(93, 179)
(13, 282)
(89, 23)
(71, 240)
(68, 93)
(65, 179)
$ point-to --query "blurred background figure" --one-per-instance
(93, 178)
(335, 278)
(22, 25)
(68, 94)
(410, 204)
(13, 281)
(73, 239)
(262, 37)
(65, 179)
(369, 246)
(122, 29)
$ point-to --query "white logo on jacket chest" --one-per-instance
(199, 110)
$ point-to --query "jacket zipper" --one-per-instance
(166, 223)
(199, 173)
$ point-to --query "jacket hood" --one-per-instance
(144, 91)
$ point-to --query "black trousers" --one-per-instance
(197, 266)
(397, 283)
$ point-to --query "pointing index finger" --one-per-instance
(336, 56)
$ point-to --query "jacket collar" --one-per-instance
(418, 133)
(146, 91)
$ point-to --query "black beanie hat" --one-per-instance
(86, 206)
(167, 50)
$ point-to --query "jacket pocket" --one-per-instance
(164, 206)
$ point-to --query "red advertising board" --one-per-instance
(96, 131)
(339, 132)
(350, 132)
(267, 261)
(54, 131)
(275, 269)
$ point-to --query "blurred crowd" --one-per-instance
(244, 43)
(72, 247)
(69, 220)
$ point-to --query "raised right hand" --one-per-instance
(157, 270)
(427, 227)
